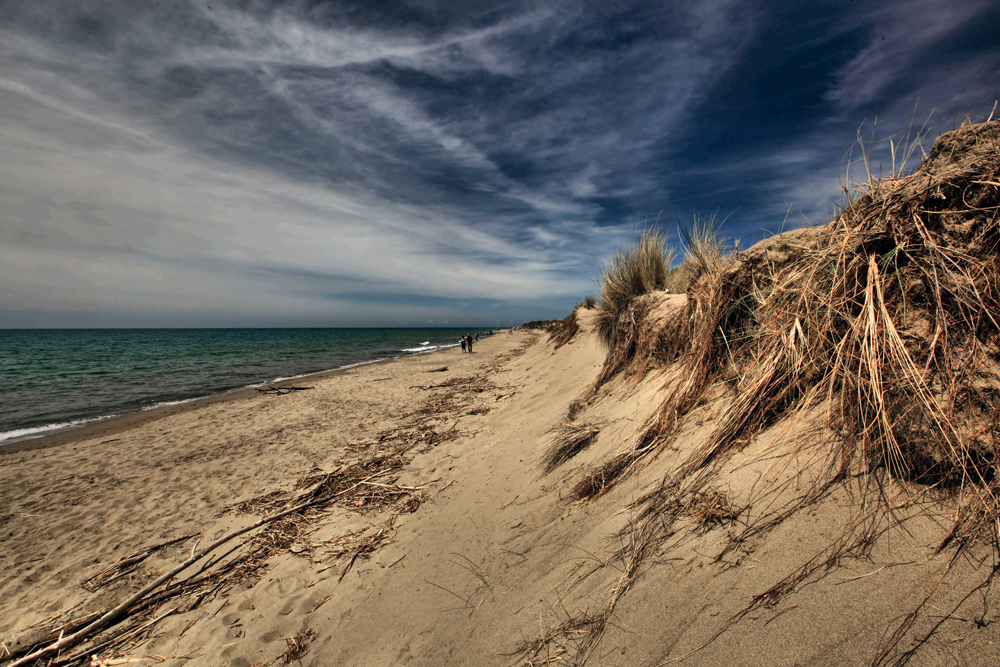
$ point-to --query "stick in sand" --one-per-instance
(111, 616)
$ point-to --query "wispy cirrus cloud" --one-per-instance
(907, 44)
(208, 162)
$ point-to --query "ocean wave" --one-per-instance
(286, 378)
(167, 404)
(424, 347)
(38, 431)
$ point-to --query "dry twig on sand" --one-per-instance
(362, 486)
(280, 391)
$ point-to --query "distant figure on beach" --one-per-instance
(463, 343)
(477, 336)
(469, 341)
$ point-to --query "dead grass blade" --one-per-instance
(568, 441)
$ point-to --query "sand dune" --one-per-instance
(497, 563)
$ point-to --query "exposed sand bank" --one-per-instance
(472, 553)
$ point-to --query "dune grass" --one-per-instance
(886, 325)
(882, 331)
(567, 441)
(636, 269)
(642, 268)
(892, 324)
(704, 253)
(562, 331)
(889, 319)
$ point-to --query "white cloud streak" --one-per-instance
(221, 165)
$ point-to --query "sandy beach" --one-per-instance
(747, 413)
(77, 502)
(438, 538)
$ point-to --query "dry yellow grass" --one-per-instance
(636, 269)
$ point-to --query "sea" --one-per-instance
(56, 379)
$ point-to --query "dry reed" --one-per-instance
(568, 441)
(636, 269)
(562, 331)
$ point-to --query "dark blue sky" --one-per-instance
(432, 163)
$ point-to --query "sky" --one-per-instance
(374, 163)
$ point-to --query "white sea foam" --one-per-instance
(39, 431)
(167, 404)
(360, 363)
(314, 373)
(423, 348)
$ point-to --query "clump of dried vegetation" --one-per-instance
(634, 270)
(297, 647)
(568, 441)
(560, 643)
(888, 316)
(886, 324)
(637, 332)
(704, 250)
(648, 333)
(562, 331)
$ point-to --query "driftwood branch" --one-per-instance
(128, 564)
(280, 391)
(115, 614)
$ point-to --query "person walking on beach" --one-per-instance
(463, 343)
(469, 342)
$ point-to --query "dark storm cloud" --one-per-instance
(218, 162)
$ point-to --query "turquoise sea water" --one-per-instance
(52, 379)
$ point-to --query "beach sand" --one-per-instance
(445, 543)
(77, 502)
